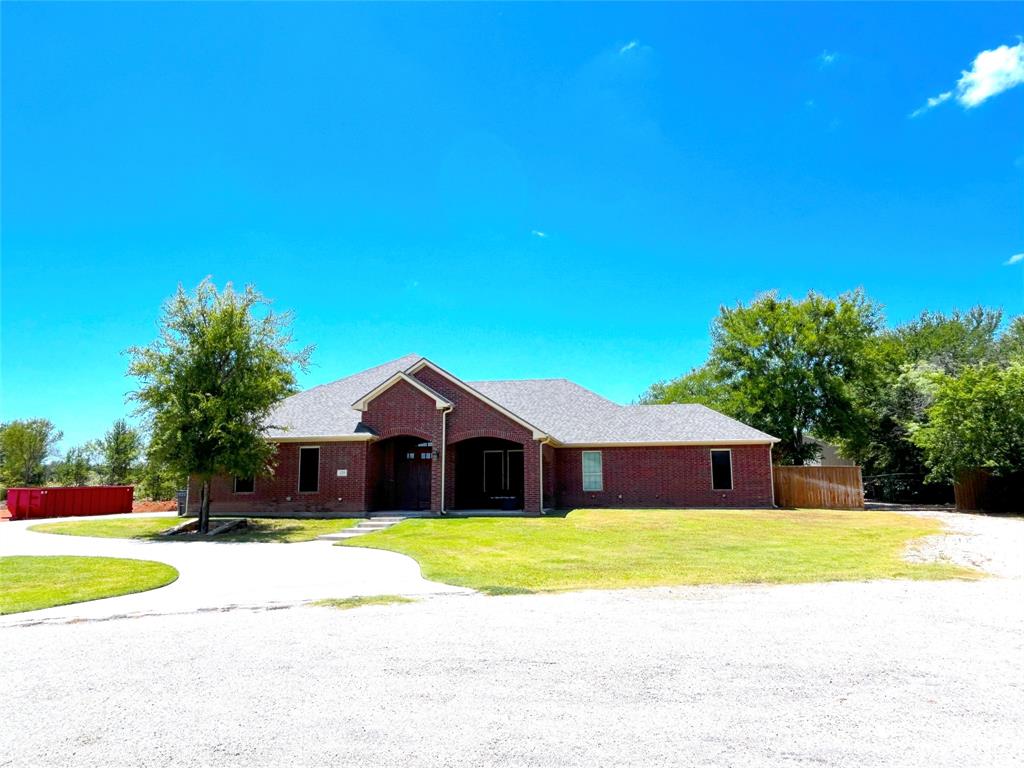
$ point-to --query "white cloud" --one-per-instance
(629, 46)
(538, 233)
(828, 58)
(991, 73)
(1017, 258)
(934, 101)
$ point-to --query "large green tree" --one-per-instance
(25, 446)
(208, 383)
(975, 420)
(889, 394)
(119, 452)
(785, 367)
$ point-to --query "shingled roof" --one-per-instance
(565, 411)
(326, 411)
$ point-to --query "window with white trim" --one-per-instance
(721, 470)
(593, 475)
(309, 469)
(245, 484)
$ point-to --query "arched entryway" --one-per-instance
(488, 474)
(404, 465)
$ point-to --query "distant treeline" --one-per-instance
(932, 398)
(29, 457)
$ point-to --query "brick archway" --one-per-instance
(401, 473)
(488, 472)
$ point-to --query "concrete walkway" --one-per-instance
(222, 575)
(364, 527)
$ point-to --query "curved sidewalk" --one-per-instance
(222, 575)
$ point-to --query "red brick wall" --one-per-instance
(675, 476)
(279, 494)
(405, 410)
(550, 455)
(472, 417)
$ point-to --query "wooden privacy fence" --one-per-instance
(819, 487)
(970, 488)
(980, 491)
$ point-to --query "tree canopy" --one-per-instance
(975, 420)
(119, 452)
(208, 383)
(783, 366)
(892, 394)
(76, 466)
(889, 398)
(25, 446)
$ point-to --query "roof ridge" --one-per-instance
(505, 381)
(360, 373)
(664, 405)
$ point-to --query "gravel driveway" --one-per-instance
(891, 673)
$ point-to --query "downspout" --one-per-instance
(771, 471)
(541, 475)
(444, 452)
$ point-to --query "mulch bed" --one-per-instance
(155, 506)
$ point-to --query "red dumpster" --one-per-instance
(31, 503)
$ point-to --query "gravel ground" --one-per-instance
(861, 674)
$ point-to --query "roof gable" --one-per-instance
(363, 402)
(325, 412)
(538, 434)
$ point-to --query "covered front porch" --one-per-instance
(409, 475)
(488, 475)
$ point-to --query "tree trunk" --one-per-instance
(204, 507)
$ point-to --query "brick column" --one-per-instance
(532, 497)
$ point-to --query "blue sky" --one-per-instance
(512, 190)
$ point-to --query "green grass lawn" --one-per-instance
(610, 549)
(31, 583)
(265, 530)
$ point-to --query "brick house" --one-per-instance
(408, 435)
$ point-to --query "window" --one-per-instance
(593, 479)
(309, 470)
(245, 484)
(721, 470)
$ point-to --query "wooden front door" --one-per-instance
(412, 476)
